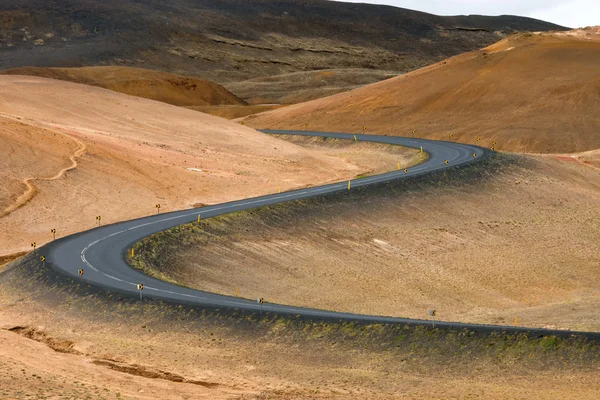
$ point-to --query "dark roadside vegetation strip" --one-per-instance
(419, 346)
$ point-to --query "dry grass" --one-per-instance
(60, 339)
(534, 93)
(516, 241)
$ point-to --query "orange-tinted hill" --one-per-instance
(155, 85)
(529, 92)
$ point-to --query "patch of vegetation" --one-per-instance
(417, 345)
(156, 255)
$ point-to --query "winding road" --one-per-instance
(100, 252)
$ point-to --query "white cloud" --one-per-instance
(571, 13)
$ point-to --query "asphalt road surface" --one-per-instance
(101, 252)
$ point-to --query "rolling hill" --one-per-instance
(232, 41)
(155, 85)
(529, 92)
(71, 152)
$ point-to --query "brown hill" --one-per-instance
(299, 87)
(70, 152)
(231, 40)
(155, 85)
(529, 92)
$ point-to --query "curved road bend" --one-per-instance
(100, 252)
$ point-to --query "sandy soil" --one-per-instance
(74, 348)
(522, 243)
(537, 93)
(127, 154)
(155, 85)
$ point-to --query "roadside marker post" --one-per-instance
(355, 139)
(199, 218)
(43, 259)
(450, 136)
(421, 149)
(405, 170)
(413, 132)
(278, 190)
(237, 292)
(305, 127)
(34, 245)
(364, 129)
(53, 233)
(80, 276)
(474, 155)
(446, 162)
(398, 167)
(158, 209)
(98, 218)
(132, 252)
(140, 287)
(260, 301)
(516, 321)
(348, 185)
(432, 315)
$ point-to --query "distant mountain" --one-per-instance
(536, 93)
(235, 40)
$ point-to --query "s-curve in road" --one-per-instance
(100, 252)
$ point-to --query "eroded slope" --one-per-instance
(537, 93)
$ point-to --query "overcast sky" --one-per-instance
(570, 13)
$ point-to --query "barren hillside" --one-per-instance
(298, 87)
(161, 86)
(530, 92)
(515, 236)
(231, 40)
(70, 152)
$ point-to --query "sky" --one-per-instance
(569, 13)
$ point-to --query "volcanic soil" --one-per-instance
(530, 92)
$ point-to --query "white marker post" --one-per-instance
(80, 276)
(432, 314)
(260, 301)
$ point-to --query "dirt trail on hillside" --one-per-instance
(70, 152)
(28, 182)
